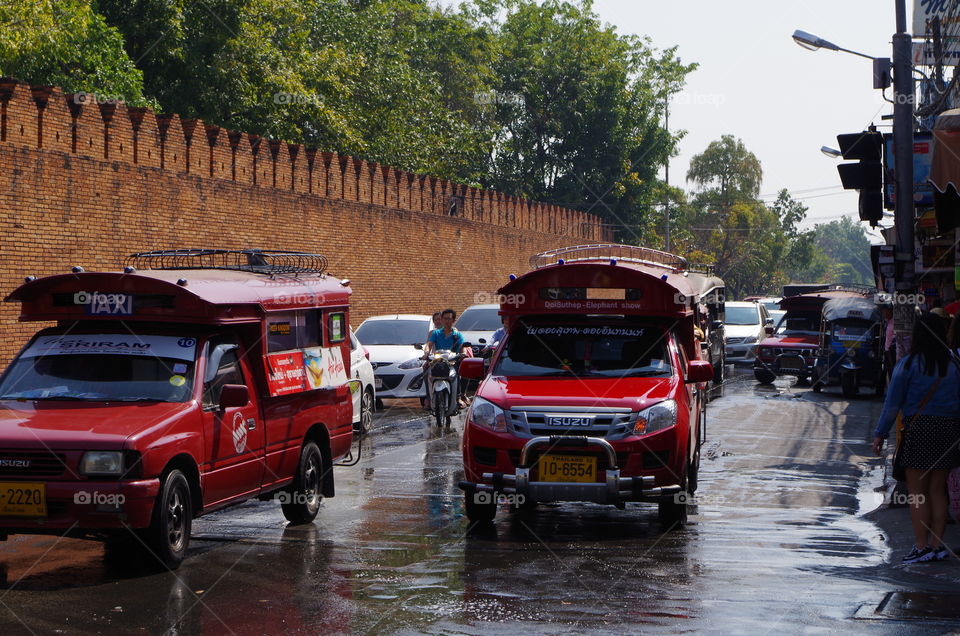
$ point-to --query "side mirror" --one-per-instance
(418, 346)
(482, 341)
(234, 396)
(699, 371)
(472, 368)
(769, 321)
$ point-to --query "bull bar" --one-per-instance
(614, 490)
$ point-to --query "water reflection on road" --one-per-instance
(774, 544)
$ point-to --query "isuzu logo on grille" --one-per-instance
(561, 420)
(14, 463)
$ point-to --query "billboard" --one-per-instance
(922, 157)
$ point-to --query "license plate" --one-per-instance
(575, 468)
(23, 499)
(378, 383)
(791, 363)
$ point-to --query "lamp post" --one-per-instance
(903, 116)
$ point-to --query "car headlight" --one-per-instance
(750, 340)
(102, 463)
(415, 363)
(657, 417)
(488, 415)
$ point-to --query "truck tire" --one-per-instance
(478, 511)
(366, 412)
(848, 384)
(301, 502)
(764, 376)
(169, 533)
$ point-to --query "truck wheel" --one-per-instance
(366, 412)
(301, 502)
(672, 513)
(764, 376)
(169, 533)
(480, 507)
(848, 384)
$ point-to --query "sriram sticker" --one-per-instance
(178, 380)
(113, 344)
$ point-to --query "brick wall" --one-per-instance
(85, 184)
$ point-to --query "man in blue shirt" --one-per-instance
(445, 338)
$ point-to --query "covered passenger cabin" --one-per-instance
(615, 280)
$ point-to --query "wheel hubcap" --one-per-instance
(175, 519)
(366, 412)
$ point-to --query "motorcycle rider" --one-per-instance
(446, 337)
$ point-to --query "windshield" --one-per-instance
(742, 315)
(799, 325)
(103, 367)
(771, 305)
(600, 349)
(393, 332)
(486, 319)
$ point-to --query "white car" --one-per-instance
(361, 385)
(390, 340)
(744, 327)
(478, 321)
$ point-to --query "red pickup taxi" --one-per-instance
(192, 380)
(597, 391)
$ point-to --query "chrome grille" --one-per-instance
(604, 422)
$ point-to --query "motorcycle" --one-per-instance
(444, 385)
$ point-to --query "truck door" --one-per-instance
(233, 436)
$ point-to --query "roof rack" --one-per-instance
(604, 252)
(865, 290)
(269, 262)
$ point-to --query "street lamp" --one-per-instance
(812, 43)
(833, 153)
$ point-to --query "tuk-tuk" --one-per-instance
(851, 346)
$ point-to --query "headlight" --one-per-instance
(488, 415)
(766, 351)
(750, 340)
(102, 463)
(657, 417)
(415, 363)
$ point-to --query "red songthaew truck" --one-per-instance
(190, 381)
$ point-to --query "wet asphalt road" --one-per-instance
(775, 544)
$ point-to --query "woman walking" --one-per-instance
(926, 387)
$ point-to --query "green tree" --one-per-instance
(726, 172)
(845, 242)
(578, 110)
(68, 44)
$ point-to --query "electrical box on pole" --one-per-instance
(867, 174)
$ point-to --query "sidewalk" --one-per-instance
(897, 533)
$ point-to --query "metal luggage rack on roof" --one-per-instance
(270, 262)
(605, 252)
(866, 290)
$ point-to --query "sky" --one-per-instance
(756, 83)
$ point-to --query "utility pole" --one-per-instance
(903, 114)
(666, 175)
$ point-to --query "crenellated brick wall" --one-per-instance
(83, 183)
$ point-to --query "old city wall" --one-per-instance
(83, 183)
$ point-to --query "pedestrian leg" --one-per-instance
(918, 481)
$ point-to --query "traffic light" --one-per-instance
(866, 175)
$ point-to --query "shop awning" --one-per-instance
(945, 169)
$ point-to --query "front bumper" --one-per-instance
(614, 489)
(391, 382)
(787, 363)
(740, 352)
(89, 506)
